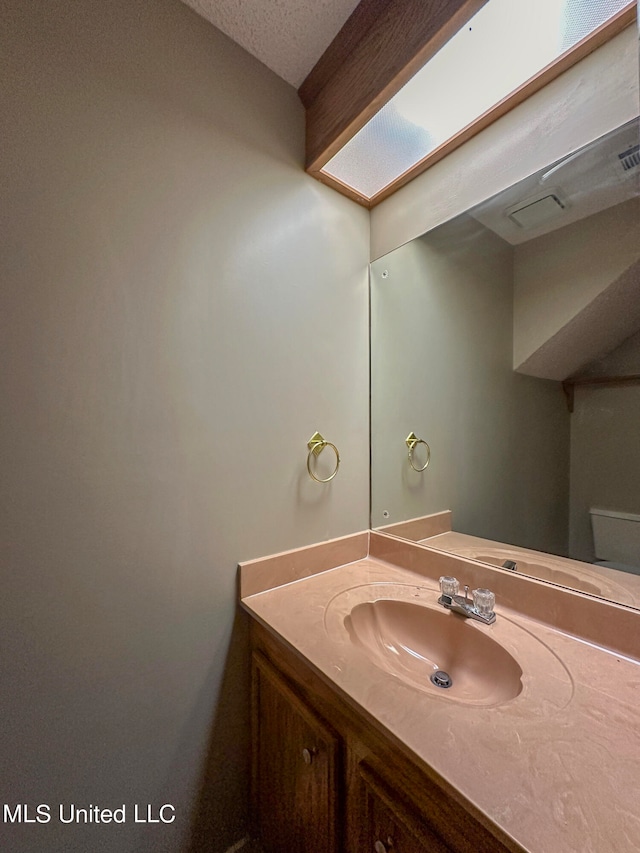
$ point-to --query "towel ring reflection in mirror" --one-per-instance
(316, 445)
(412, 441)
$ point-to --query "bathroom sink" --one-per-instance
(413, 642)
(400, 630)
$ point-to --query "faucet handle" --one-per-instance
(449, 586)
(483, 601)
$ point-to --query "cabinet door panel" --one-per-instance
(296, 788)
(388, 825)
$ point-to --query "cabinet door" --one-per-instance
(296, 789)
(386, 824)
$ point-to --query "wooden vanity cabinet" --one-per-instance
(385, 823)
(296, 769)
(327, 780)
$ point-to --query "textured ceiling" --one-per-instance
(289, 36)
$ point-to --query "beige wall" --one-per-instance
(558, 275)
(596, 95)
(605, 452)
(442, 333)
(181, 308)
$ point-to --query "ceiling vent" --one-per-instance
(536, 212)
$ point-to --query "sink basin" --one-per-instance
(392, 636)
(413, 641)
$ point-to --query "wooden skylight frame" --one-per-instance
(379, 49)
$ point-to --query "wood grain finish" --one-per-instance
(354, 31)
(295, 769)
(378, 50)
(382, 45)
(384, 788)
(387, 823)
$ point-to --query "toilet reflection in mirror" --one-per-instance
(509, 339)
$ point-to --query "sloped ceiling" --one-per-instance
(612, 317)
(577, 275)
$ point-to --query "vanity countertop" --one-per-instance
(556, 768)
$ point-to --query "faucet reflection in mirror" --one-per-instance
(536, 287)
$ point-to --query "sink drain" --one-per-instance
(441, 678)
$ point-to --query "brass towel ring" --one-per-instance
(316, 445)
(412, 441)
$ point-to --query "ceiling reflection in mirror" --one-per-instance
(505, 353)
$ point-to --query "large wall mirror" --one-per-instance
(508, 340)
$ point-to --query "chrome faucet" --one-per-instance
(481, 608)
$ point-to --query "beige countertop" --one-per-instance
(557, 768)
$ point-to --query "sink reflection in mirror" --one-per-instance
(542, 572)
(485, 332)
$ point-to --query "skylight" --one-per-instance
(502, 47)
